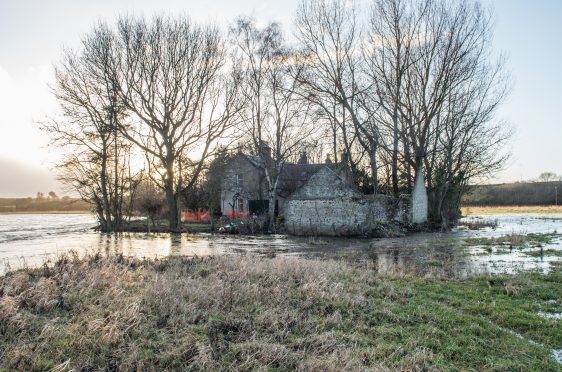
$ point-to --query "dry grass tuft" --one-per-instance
(16, 283)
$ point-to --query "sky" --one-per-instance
(34, 33)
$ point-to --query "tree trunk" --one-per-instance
(171, 201)
(271, 209)
(172, 210)
(395, 154)
(116, 192)
(173, 216)
(106, 225)
(436, 198)
(374, 167)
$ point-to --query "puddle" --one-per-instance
(546, 315)
(557, 355)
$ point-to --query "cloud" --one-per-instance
(6, 84)
(25, 99)
(19, 179)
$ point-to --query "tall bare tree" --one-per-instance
(449, 91)
(170, 74)
(329, 36)
(96, 157)
(276, 120)
(392, 33)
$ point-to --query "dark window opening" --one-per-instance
(258, 207)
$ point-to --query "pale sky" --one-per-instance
(33, 33)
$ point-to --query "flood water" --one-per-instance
(33, 239)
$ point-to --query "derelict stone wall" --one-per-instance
(326, 205)
(339, 216)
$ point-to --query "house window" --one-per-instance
(239, 180)
(241, 204)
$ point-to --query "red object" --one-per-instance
(200, 215)
(233, 215)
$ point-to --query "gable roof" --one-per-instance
(325, 184)
(293, 175)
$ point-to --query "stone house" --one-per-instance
(244, 186)
(317, 199)
(327, 205)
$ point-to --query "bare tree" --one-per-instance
(96, 162)
(150, 201)
(329, 36)
(169, 73)
(448, 97)
(276, 120)
(470, 143)
(548, 177)
(392, 33)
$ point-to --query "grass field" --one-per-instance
(536, 209)
(30, 205)
(246, 313)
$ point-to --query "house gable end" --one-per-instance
(325, 184)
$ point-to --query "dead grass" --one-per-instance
(515, 240)
(478, 224)
(240, 313)
(529, 209)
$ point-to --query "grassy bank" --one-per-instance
(280, 314)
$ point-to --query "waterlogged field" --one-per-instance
(482, 244)
(248, 312)
(425, 301)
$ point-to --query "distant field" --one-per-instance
(538, 209)
(30, 205)
(513, 194)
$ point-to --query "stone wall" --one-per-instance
(325, 205)
(338, 216)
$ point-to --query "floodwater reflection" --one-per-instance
(420, 254)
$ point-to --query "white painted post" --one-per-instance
(419, 199)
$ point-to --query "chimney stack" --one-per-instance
(265, 150)
(345, 157)
(303, 159)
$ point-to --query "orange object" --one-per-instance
(200, 215)
(233, 215)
